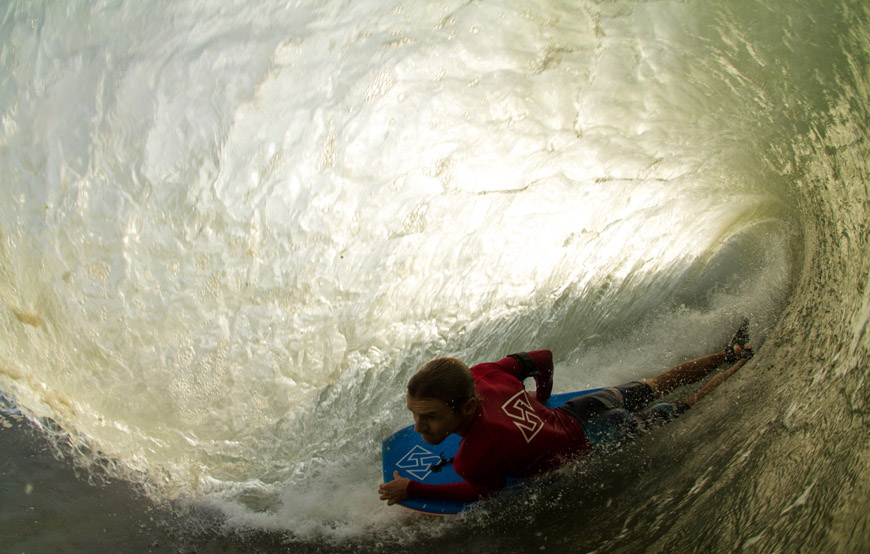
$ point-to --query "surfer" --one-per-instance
(508, 432)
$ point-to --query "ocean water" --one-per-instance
(229, 233)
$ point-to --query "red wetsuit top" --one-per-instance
(512, 435)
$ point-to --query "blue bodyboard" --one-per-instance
(406, 452)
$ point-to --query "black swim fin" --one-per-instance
(740, 338)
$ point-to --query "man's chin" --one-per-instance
(428, 439)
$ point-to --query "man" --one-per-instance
(508, 432)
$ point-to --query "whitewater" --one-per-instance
(230, 232)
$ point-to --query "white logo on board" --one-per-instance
(520, 410)
(418, 462)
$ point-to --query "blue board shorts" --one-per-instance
(612, 415)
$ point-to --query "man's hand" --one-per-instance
(396, 490)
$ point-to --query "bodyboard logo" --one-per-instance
(520, 410)
(418, 462)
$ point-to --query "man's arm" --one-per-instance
(537, 364)
(401, 488)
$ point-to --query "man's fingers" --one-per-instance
(392, 492)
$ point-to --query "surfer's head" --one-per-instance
(442, 397)
(445, 379)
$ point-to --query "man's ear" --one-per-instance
(470, 406)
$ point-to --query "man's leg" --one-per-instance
(622, 410)
(685, 373)
(694, 370)
(713, 383)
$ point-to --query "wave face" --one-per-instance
(230, 232)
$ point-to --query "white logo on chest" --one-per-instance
(524, 417)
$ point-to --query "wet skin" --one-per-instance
(433, 419)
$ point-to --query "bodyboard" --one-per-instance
(406, 452)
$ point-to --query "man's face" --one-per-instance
(433, 419)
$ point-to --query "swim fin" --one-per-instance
(740, 338)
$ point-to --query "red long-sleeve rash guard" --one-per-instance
(512, 435)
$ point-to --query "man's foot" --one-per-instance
(736, 348)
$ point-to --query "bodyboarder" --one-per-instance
(508, 432)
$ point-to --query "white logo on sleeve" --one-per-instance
(520, 410)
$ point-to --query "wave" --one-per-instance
(229, 236)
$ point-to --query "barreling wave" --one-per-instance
(227, 237)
